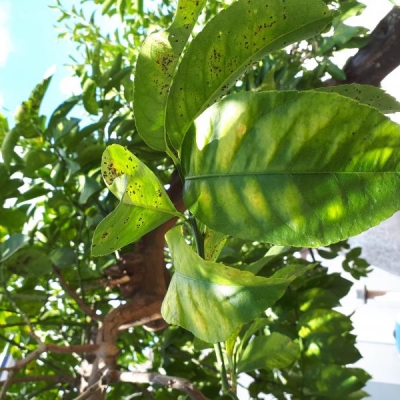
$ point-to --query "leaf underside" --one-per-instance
(292, 168)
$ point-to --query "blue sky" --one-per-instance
(28, 48)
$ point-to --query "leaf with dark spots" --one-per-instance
(302, 186)
(154, 70)
(140, 210)
(223, 51)
(366, 94)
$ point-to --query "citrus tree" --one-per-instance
(223, 140)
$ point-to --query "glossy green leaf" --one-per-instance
(292, 168)
(268, 352)
(154, 71)
(144, 204)
(366, 94)
(11, 245)
(223, 51)
(202, 292)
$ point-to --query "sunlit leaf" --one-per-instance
(144, 204)
(268, 352)
(203, 292)
(223, 51)
(304, 169)
(154, 70)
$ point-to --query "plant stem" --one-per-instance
(224, 378)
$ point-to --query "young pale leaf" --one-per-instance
(366, 94)
(223, 51)
(211, 300)
(268, 352)
(304, 169)
(144, 203)
(154, 70)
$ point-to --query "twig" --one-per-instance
(168, 381)
(81, 304)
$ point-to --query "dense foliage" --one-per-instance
(200, 124)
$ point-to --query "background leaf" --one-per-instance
(11, 245)
(325, 172)
(268, 352)
(154, 70)
(144, 203)
(225, 49)
(366, 94)
(211, 300)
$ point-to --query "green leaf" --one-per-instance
(63, 257)
(395, 2)
(144, 204)
(223, 51)
(273, 254)
(323, 321)
(366, 94)
(335, 71)
(203, 292)
(317, 298)
(11, 245)
(331, 348)
(154, 70)
(7, 146)
(27, 120)
(89, 96)
(29, 260)
(333, 381)
(3, 128)
(37, 158)
(268, 352)
(327, 168)
(213, 244)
